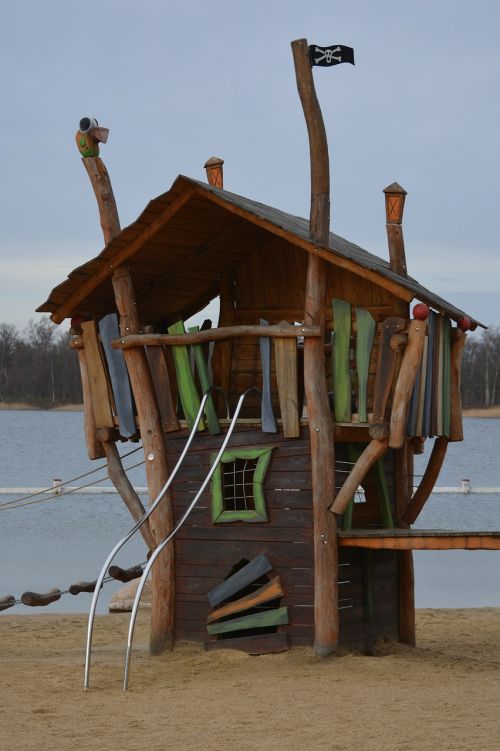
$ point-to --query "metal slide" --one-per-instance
(176, 528)
(141, 521)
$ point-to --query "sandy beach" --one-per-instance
(445, 694)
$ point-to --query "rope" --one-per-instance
(106, 580)
(73, 479)
(10, 505)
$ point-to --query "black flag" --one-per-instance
(333, 55)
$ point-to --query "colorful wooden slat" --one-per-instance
(108, 329)
(364, 343)
(457, 345)
(341, 360)
(285, 351)
(446, 381)
(437, 409)
(201, 367)
(276, 617)
(270, 591)
(163, 387)
(267, 414)
(429, 376)
(419, 427)
(98, 380)
(188, 393)
(239, 580)
(411, 422)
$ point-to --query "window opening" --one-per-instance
(237, 485)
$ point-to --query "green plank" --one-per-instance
(364, 343)
(266, 618)
(340, 366)
(201, 366)
(446, 377)
(188, 393)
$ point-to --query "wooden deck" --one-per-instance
(419, 539)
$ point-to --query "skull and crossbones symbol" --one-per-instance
(328, 55)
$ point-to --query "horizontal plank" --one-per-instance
(417, 539)
(214, 335)
(266, 618)
(252, 645)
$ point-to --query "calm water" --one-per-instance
(66, 539)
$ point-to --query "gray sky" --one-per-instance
(177, 82)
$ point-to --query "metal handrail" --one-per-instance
(176, 528)
(139, 524)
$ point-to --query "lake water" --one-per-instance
(67, 538)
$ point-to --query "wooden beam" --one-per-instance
(98, 379)
(98, 174)
(215, 335)
(285, 351)
(161, 521)
(239, 580)
(319, 249)
(415, 539)
(428, 480)
(126, 490)
(412, 359)
(277, 617)
(326, 614)
(390, 343)
(94, 446)
(374, 450)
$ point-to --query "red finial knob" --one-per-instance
(421, 311)
(464, 324)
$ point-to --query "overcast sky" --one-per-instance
(179, 81)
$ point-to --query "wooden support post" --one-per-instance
(163, 593)
(412, 359)
(403, 465)
(326, 614)
(125, 488)
(153, 441)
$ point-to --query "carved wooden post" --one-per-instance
(215, 175)
(326, 614)
(394, 207)
(162, 610)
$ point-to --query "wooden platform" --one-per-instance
(419, 539)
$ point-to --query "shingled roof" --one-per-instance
(179, 246)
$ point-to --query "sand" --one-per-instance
(445, 694)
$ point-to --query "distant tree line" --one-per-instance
(481, 369)
(37, 367)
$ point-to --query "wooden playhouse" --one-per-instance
(304, 535)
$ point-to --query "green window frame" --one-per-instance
(257, 514)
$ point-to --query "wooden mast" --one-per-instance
(162, 606)
(403, 456)
(326, 614)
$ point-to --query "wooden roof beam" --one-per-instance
(120, 257)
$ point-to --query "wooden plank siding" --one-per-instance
(205, 552)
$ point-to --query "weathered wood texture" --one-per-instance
(286, 378)
(100, 392)
(162, 610)
(162, 605)
(253, 645)
(412, 358)
(176, 337)
(108, 329)
(320, 421)
(94, 446)
(271, 591)
(457, 346)
(388, 357)
(419, 539)
(126, 490)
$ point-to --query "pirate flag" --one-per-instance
(333, 55)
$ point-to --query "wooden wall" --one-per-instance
(205, 552)
(270, 284)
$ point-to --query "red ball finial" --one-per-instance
(421, 311)
(464, 324)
